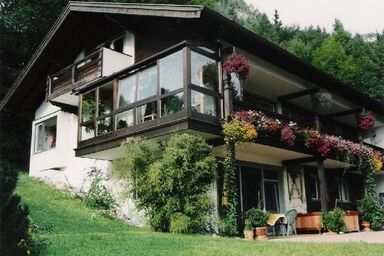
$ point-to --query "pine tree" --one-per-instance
(14, 222)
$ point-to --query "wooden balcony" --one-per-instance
(101, 63)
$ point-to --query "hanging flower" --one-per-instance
(238, 64)
(238, 131)
(366, 121)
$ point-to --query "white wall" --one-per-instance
(375, 137)
(295, 192)
(114, 61)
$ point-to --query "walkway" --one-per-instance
(367, 237)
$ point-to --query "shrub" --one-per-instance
(256, 218)
(98, 196)
(173, 188)
(333, 220)
(14, 222)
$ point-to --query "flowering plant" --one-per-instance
(238, 64)
(287, 134)
(238, 131)
(366, 121)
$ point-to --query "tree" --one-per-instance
(173, 188)
(14, 222)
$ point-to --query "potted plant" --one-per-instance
(249, 231)
(257, 219)
(366, 121)
(367, 207)
(333, 221)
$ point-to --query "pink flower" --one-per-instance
(288, 135)
(366, 121)
(238, 64)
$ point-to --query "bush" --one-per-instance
(256, 218)
(98, 196)
(14, 222)
(173, 188)
(370, 210)
(333, 220)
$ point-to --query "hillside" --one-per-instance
(68, 228)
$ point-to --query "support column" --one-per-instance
(322, 185)
(228, 98)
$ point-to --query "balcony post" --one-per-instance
(320, 161)
(228, 97)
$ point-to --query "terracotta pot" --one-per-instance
(261, 233)
(249, 234)
(366, 226)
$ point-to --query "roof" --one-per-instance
(224, 28)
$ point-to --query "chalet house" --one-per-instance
(107, 71)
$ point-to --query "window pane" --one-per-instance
(237, 87)
(127, 91)
(203, 103)
(46, 135)
(313, 185)
(87, 131)
(172, 104)
(106, 99)
(104, 125)
(171, 72)
(146, 112)
(88, 106)
(125, 119)
(203, 71)
(147, 83)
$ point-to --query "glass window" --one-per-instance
(203, 103)
(45, 137)
(146, 112)
(343, 193)
(104, 125)
(204, 71)
(171, 72)
(237, 87)
(172, 104)
(87, 131)
(314, 187)
(147, 83)
(88, 104)
(127, 91)
(106, 99)
(125, 119)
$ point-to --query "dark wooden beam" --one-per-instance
(322, 185)
(343, 113)
(298, 94)
(66, 107)
(303, 160)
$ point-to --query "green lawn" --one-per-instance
(69, 228)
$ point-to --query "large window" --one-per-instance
(204, 84)
(314, 187)
(45, 135)
(156, 89)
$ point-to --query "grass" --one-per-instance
(69, 228)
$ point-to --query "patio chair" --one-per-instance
(290, 224)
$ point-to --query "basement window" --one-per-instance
(45, 135)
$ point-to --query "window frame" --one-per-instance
(342, 190)
(36, 134)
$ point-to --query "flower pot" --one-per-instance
(366, 226)
(261, 233)
(249, 234)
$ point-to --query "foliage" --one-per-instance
(14, 222)
(333, 220)
(256, 218)
(160, 186)
(98, 196)
(369, 207)
(238, 131)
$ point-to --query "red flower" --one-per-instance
(238, 64)
(287, 135)
(366, 121)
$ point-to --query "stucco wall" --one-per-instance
(294, 190)
(60, 167)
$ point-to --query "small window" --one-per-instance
(171, 72)
(105, 99)
(147, 83)
(125, 119)
(172, 104)
(45, 135)
(127, 91)
(314, 187)
(147, 112)
(343, 193)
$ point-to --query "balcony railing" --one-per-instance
(103, 62)
(80, 72)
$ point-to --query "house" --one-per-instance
(107, 71)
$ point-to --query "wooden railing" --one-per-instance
(72, 76)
